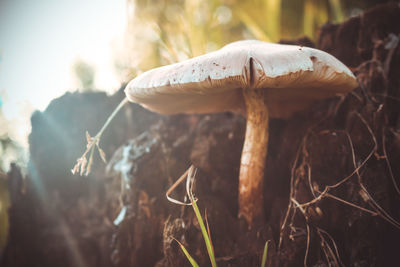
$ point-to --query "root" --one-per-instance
(302, 168)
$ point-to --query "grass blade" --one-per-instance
(207, 239)
(264, 257)
(190, 258)
(208, 229)
(204, 232)
(190, 174)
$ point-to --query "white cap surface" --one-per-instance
(293, 77)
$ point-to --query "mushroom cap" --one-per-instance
(292, 76)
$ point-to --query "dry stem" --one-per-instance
(82, 165)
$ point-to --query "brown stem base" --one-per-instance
(251, 177)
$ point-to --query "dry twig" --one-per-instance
(82, 165)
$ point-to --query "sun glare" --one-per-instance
(40, 41)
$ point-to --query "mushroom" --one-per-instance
(257, 79)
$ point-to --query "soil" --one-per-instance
(332, 180)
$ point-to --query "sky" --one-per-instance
(39, 42)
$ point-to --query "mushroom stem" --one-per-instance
(251, 177)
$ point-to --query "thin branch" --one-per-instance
(333, 242)
(356, 168)
(310, 181)
(388, 163)
(174, 186)
(308, 246)
(383, 214)
(289, 208)
(82, 165)
(329, 254)
(111, 117)
(308, 231)
(351, 204)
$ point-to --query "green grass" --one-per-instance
(205, 231)
(265, 253)
(190, 258)
(206, 234)
(207, 238)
